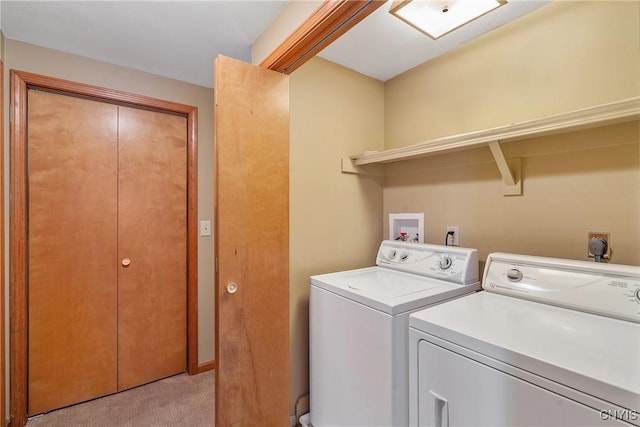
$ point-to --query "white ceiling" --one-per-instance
(180, 39)
(176, 39)
(382, 46)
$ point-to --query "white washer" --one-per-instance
(359, 330)
(550, 342)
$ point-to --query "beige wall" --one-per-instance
(561, 57)
(335, 218)
(26, 57)
(565, 56)
(573, 183)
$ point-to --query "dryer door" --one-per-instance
(454, 390)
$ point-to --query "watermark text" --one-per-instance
(619, 414)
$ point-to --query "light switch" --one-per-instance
(205, 228)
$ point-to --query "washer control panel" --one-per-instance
(454, 264)
(607, 289)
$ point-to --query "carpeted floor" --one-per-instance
(181, 400)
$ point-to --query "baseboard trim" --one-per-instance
(205, 367)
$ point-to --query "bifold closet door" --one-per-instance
(152, 251)
(107, 254)
(72, 247)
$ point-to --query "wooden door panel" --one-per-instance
(152, 233)
(72, 151)
(252, 244)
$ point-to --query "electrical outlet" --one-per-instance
(606, 236)
(455, 241)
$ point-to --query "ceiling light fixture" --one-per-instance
(436, 18)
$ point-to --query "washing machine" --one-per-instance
(359, 330)
(549, 342)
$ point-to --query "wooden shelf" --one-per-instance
(601, 115)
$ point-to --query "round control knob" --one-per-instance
(514, 275)
(445, 262)
(404, 256)
(638, 294)
(392, 253)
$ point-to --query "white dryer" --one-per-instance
(550, 342)
(359, 330)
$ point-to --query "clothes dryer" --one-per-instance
(549, 342)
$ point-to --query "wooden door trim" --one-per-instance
(21, 82)
(17, 254)
(206, 367)
(328, 22)
(3, 416)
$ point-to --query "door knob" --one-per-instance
(232, 288)
(126, 262)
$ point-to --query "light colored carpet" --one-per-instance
(181, 400)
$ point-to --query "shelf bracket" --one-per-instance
(509, 169)
(349, 166)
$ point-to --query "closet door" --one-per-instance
(72, 247)
(152, 251)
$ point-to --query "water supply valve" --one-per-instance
(598, 247)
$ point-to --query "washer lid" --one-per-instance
(389, 291)
(595, 354)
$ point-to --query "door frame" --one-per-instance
(21, 82)
(326, 24)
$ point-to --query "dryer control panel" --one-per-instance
(451, 263)
(606, 289)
